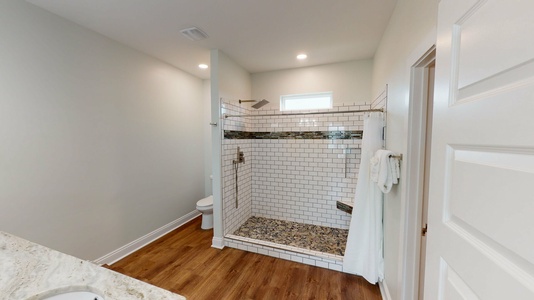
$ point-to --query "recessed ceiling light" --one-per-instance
(203, 66)
(302, 56)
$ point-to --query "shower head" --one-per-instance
(257, 105)
(260, 104)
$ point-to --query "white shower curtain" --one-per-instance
(364, 251)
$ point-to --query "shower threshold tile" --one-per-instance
(290, 250)
(309, 238)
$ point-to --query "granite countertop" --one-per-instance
(29, 272)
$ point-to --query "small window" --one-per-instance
(306, 101)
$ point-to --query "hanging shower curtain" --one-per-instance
(364, 251)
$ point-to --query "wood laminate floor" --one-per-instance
(184, 262)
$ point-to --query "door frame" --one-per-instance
(415, 173)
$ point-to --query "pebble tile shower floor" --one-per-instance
(306, 236)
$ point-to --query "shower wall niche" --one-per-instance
(296, 167)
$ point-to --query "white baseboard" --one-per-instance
(217, 242)
(129, 248)
(384, 291)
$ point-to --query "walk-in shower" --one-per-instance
(298, 166)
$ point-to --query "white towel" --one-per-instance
(394, 165)
(388, 171)
(375, 168)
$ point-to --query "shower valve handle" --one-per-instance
(240, 157)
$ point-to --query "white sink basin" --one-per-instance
(75, 296)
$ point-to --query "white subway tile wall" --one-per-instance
(296, 180)
(234, 217)
(238, 124)
(301, 180)
(319, 122)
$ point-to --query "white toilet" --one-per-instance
(205, 206)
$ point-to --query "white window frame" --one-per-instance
(285, 98)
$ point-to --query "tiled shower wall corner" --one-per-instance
(240, 123)
(291, 179)
(234, 217)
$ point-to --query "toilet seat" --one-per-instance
(208, 201)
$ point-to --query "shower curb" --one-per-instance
(304, 256)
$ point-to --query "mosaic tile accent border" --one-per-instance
(301, 135)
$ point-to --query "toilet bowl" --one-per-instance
(205, 206)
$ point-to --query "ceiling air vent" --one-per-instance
(194, 34)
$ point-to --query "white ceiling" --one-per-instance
(260, 35)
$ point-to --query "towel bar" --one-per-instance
(399, 156)
(347, 150)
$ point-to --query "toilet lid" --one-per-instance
(206, 201)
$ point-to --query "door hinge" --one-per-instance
(424, 230)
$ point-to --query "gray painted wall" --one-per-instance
(349, 81)
(101, 144)
(410, 33)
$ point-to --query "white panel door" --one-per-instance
(481, 210)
